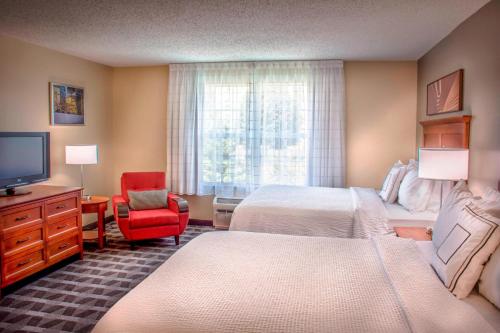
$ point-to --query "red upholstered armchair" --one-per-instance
(151, 223)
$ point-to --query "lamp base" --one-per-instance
(86, 197)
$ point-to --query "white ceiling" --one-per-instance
(142, 32)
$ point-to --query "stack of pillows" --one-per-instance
(466, 235)
(415, 194)
(466, 240)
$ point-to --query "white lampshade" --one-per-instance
(443, 164)
(81, 154)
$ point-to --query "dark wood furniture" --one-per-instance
(98, 205)
(416, 233)
(452, 132)
(38, 230)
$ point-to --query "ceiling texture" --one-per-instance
(142, 32)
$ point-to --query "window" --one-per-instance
(253, 133)
(236, 126)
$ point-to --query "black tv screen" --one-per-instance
(24, 158)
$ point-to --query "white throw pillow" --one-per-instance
(460, 258)
(439, 188)
(491, 202)
(489, 282)
(389, 191)
(453, 204)
(414, 192)
(491, 195)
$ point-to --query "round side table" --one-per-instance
(99, 205)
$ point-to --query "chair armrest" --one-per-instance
(182, 204)
(177, 204)
(122, 209)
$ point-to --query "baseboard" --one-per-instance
(206, 223)
(108, 219)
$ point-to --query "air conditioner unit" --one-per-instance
(223, 210)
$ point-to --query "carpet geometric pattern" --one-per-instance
(75, 295)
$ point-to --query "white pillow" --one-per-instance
(491, 202)
(454, 202)
(389, 191)
(489, 282)
(491, 195)
(459, 259)
(414, 192)
(439, 188)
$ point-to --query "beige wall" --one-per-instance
(126, 116)
(139, 120)
(140, 127)
(25, 73)
(381, 107)
(474, 46)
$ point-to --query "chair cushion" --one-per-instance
(152, 218)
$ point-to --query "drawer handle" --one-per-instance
(61, 226)
(22, 263)
(19, 241)
(22, 218)
(63, 246)
(60, 206)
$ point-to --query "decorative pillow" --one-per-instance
(460, 258)
(389, 191)
(491, 195)
(489, 282)
(435, 200)
(414, 192)
(453, 204)
(491, 202)
(154, 199)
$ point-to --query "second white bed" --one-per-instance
(320, 211)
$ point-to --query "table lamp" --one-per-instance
(443, 164)
(81, 154)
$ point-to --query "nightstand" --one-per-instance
(416, 233)
(98, 205)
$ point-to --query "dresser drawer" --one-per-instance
(25, 264)
(19, 241)
(62, 226)
(63, 248)
(22, 217)
(62, 206)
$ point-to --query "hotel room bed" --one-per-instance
(223, 282)
(321, 211)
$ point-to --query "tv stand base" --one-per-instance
(12, 192)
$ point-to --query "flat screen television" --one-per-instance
(24, 159)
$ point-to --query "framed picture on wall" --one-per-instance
(66, 104)
(445, 94)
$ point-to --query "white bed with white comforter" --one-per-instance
(320, 211)
(255, 282)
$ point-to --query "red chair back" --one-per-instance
(141, 181)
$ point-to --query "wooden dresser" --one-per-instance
(39, 229)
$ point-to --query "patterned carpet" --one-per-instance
(75, 295)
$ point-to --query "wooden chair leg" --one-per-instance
(176, 240)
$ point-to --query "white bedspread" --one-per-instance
(254, 282)
(312, 211)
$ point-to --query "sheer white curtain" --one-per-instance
(236, 126)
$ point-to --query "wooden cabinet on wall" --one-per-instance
(452, 132)
(38, 230)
